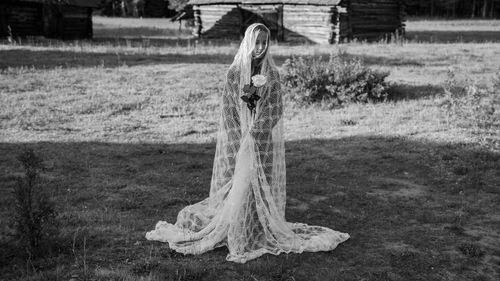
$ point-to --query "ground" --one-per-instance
(127, 136)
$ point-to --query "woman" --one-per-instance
(246, 207)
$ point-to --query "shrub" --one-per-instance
(333, 82)
(33, 214)
(471, 250)
(470, 105)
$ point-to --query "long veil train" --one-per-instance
(246, 207)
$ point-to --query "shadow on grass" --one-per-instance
(43, 59)
(399, 91)
(67, 59)
(471, 36)
(144, 42)
(388, 61)
(100, 31)
(409, 206)
(48, 59)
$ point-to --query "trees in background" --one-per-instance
(137, 8)
(453, 8)
(177, 4)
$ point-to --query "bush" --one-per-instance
(334, 82)
(33, 214)
(469, 105)
(471, 250)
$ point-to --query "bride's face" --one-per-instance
(260, 44)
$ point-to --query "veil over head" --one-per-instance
(245, 210)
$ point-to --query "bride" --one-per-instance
(246, 208)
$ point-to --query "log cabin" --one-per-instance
(314, 21)
(63, 19)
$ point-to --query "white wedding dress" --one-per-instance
(246, 208)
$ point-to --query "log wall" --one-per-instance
(24, 19)
(54, 21)
(306, 23)
(270, 14)
(76, 22)
(218, 21)
(362, 19)
(318, 24)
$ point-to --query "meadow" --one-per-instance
(126, 127)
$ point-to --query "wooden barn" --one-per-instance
(64, 19)
(318, 21)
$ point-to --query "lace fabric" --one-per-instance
(245, 210)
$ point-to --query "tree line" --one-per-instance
(419, 8)
(138, 8)
(453, 8)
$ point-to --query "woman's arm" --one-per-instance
(230, 114)
(232, 125)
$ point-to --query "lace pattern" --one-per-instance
(245, 210)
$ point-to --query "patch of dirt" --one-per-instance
(485, 237)
(399, 246)
(296, 204)
(304, 205)
(398, 188)
(318, 198)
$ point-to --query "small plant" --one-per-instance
(10, 38)
(471, 250)
(33, 213)
(334, 82)
(470, 105)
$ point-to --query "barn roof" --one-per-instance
(79, 3)
(291, 2)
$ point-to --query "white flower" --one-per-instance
(259, 80)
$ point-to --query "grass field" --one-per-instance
(127, 133)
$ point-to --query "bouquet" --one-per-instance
(251, 96)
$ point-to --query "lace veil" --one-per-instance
(246, 207)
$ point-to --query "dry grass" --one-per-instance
(128, 133)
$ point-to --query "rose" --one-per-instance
(251, 97)
(259, 80)
(249, 89)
